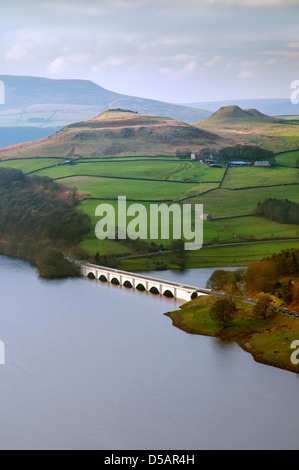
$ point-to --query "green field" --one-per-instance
(225, 203)
(287, 159)
(260, 228)
(30, 165)
(217, 256)
(238, 178)
(228, 197)
(160, 170)
(137, 190)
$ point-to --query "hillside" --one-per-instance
(42, 102)
(271, 107)
(235, 235)
(118, 133)
(230, 116)
(252, 127)
(27, 231)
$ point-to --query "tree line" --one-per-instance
(274, 275)
(38, 224)
(245, 152)
(276, 210)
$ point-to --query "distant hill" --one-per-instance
(43, 102)
(119, 133)
(251, 127)
(231, 116)
(272, 107)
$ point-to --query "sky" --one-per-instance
(180, 51)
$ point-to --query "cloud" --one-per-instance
(224, 3)
(167, 3)
(18, 52)
(271, 62)
(256, 3)
(246, 74)
(91, 8)
(158, 48)
(289, 54)
(111, 61)
(57, 66)
(181, 72)
(64, 63)
(249, 70)
(216, 60)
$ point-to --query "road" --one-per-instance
(247, 300)
(161, 252)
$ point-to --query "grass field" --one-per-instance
(31, 165)
(229, 197)
(217, 256)
(238, 178)
(160, 170)
(136, 190)
(260, 228)
(287, 159)
(225, 203)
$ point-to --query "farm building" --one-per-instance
(204, 158)
(239, 164)
(266, 164)
(206, 217)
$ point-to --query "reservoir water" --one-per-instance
(92, 366)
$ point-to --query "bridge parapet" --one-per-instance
(141, 282)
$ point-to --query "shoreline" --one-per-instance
(243, 340)
(256, 357)
(242, 337)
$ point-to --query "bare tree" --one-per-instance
(263, 305)
(222, 312)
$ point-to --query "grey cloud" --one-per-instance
(152, 47)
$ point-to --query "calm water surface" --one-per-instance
(91, 366)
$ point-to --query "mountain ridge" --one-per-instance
(233, 114)
(118, 133)
(47, 101)
(271, 106)
(251, 127)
